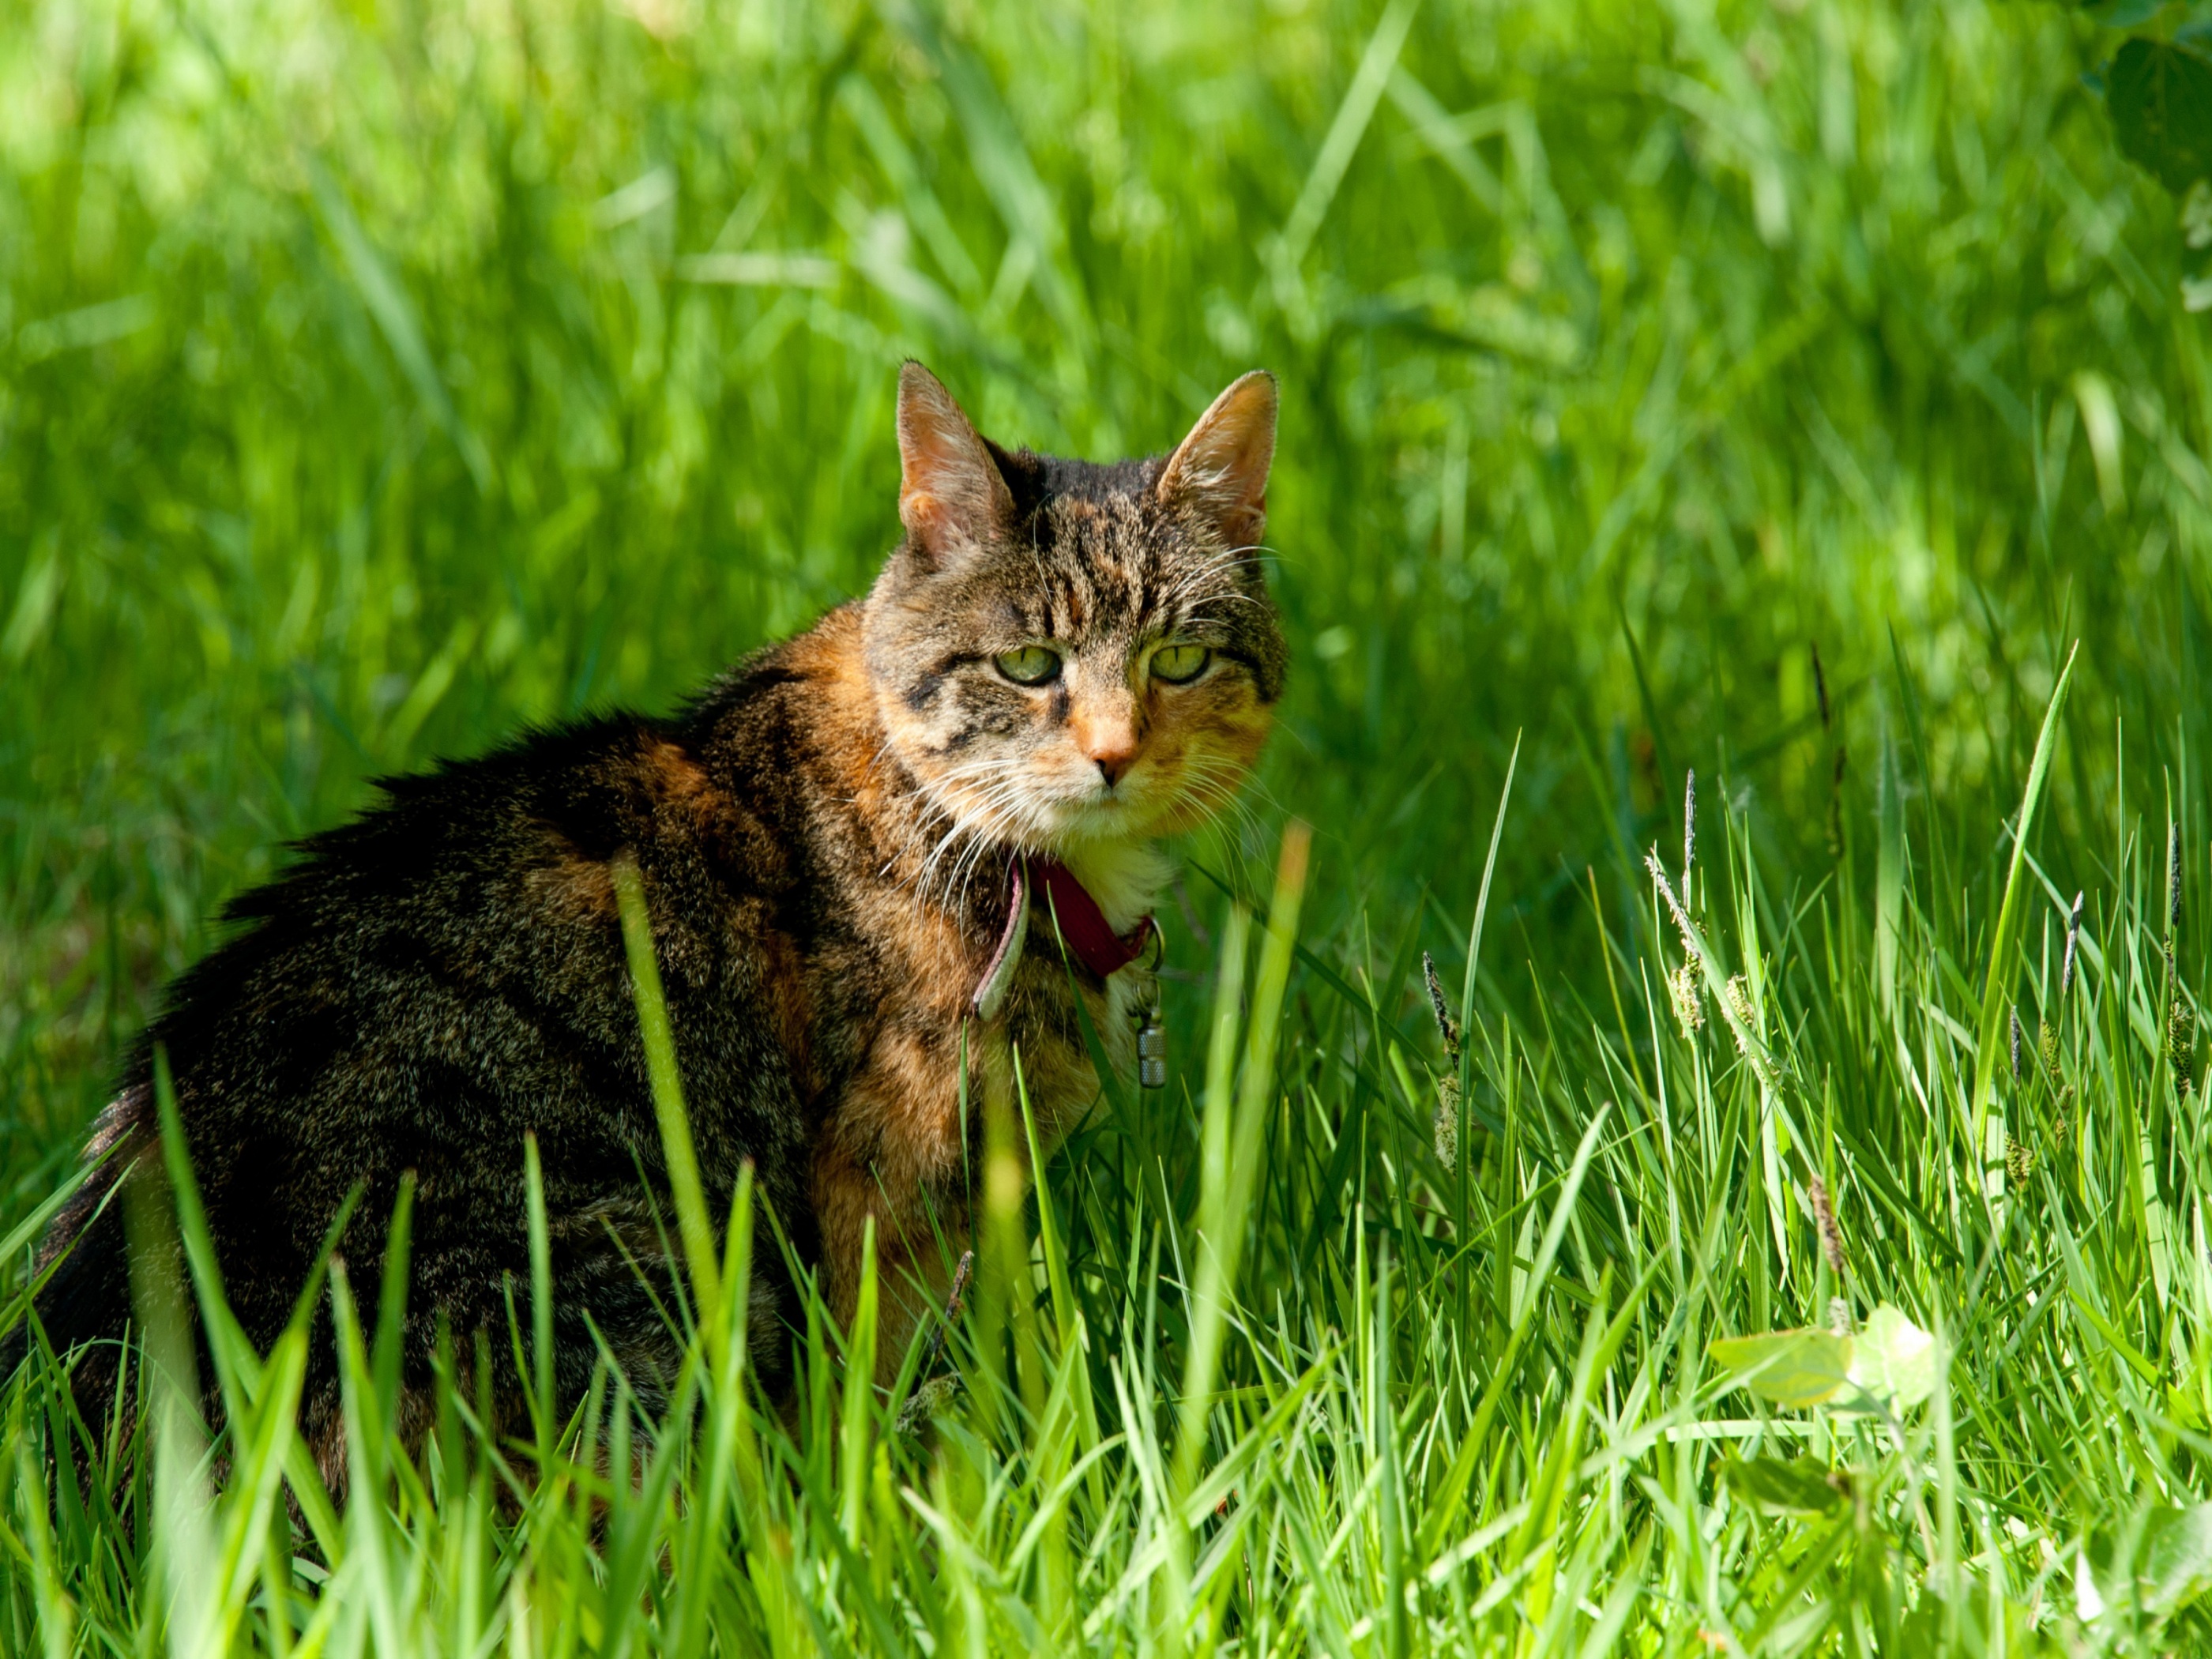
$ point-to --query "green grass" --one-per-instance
(375, 378)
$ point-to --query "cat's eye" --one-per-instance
(1029, 664)
(1177, 664)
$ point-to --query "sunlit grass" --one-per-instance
(1349, 1398)
(376, 379)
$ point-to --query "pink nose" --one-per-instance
(1113, 762)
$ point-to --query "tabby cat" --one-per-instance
(902, 836)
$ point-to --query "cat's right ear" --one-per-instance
(951, 494)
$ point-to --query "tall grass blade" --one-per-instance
(1989, 1047)
(676, 1145)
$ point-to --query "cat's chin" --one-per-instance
(1109, 822)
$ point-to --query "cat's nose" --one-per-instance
(1106, 736)
(1113, 764)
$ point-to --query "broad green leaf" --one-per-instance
(1796, 1369)
(1894, 1359)
(2176, 1564)
(2160, 98)
(1802, 1485)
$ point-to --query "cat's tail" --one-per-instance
(84, 1302)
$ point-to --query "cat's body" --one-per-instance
(826, 841)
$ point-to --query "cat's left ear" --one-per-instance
(1221, 468)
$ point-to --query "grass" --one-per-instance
(376, 379)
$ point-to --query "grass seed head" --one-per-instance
(1447, 1121)
(1446, 1131)
(1689, 829)
(1738, 1000)
(931, 1398)
(1682, 992)
(2172, 886)
(1446, 1026)
(1824, 1221)
(2016, 1036)
(1682, 983)
(1676, 908)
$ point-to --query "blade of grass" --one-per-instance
(675, 1146)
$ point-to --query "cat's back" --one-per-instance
(447, 972)
(489, 882)
(476, 897)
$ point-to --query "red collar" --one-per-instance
(1083, 924)
(1051, 887)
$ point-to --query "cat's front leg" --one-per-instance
(894, 1149)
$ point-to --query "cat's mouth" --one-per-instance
(1046, 805)
(1144, 804)
(1134, 808)
(1099, 814)
(1107, 811)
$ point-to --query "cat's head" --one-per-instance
(1067, 653)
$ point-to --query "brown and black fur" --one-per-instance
(446, 972)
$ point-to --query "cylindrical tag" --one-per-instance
(1152, 1053)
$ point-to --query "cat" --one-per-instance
(859, 851)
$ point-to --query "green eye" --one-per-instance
(1176, 663)
(1032, 665)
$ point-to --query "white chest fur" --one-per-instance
(1125, 876)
